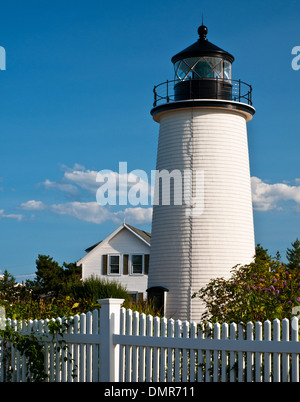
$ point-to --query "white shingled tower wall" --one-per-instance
(188, 251)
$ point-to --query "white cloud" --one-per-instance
(78, 178)
(84, 211)
(138, 215)
(65, 187)
(124, 183)
(85, 179)
(10, 216)
(91, 211)
(33, 205)
(267, 196)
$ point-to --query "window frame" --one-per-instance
(143, 264)
(109, 264)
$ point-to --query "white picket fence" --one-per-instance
(114, 344)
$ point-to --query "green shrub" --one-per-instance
(94, 289)
(263, 290)
(144, 306)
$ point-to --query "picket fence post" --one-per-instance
(109, 353)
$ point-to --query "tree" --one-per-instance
(293, 256)
(278, 256)
(261, 254)
(48, 275)
(8, 287)
(52, 278)
(71, 272)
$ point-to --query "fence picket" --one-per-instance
(258, 355)
(142, 352)
(267, 355)
(58, 356)
(76, 349)
(295, 356)
(128, 349)
(135, 331)
(250, 361)
(193, 353)
(276, 356)
(82, 348)
(47, 347)
(95, 347)
(163, 352)
(185, 357)
(216, 353)
(122, 347)
(13, 355)
(225, 366)
(241, 361)
(170, 376)
(177, 367)
(89, 358)
(233, 360)
(200, 355)
(63, 355)
(156, 351)
(149, 349)
(285, 356)
(208, 355)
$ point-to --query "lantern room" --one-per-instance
(203, 71)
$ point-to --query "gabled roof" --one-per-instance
(142, 234)
(146, 236)
(91, 247)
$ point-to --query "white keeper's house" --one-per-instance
(123, 256)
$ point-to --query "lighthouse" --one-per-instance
(204, 226)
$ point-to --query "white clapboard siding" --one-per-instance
(188, 251)
(145, 348)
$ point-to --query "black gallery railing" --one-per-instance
(232, 90)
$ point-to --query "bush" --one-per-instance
(263, 290)
(144, 306)
(47, 308)
(94, 288)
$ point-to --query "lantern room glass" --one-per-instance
(202, 67)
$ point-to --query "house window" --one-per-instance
(137, 264)
(136, 297)
(114, 264)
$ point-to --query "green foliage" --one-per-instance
(143, 306)
(47, 308)
(94, 288)
(51, 278)
(261, 254)
(8, 288)
(293, 256)
(29, 346)
(263, 290)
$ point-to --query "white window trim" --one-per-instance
(120, 264)
(131, 265)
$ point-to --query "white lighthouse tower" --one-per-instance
(202, 115)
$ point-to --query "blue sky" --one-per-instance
(76, 97)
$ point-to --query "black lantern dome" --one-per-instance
(203, 70)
